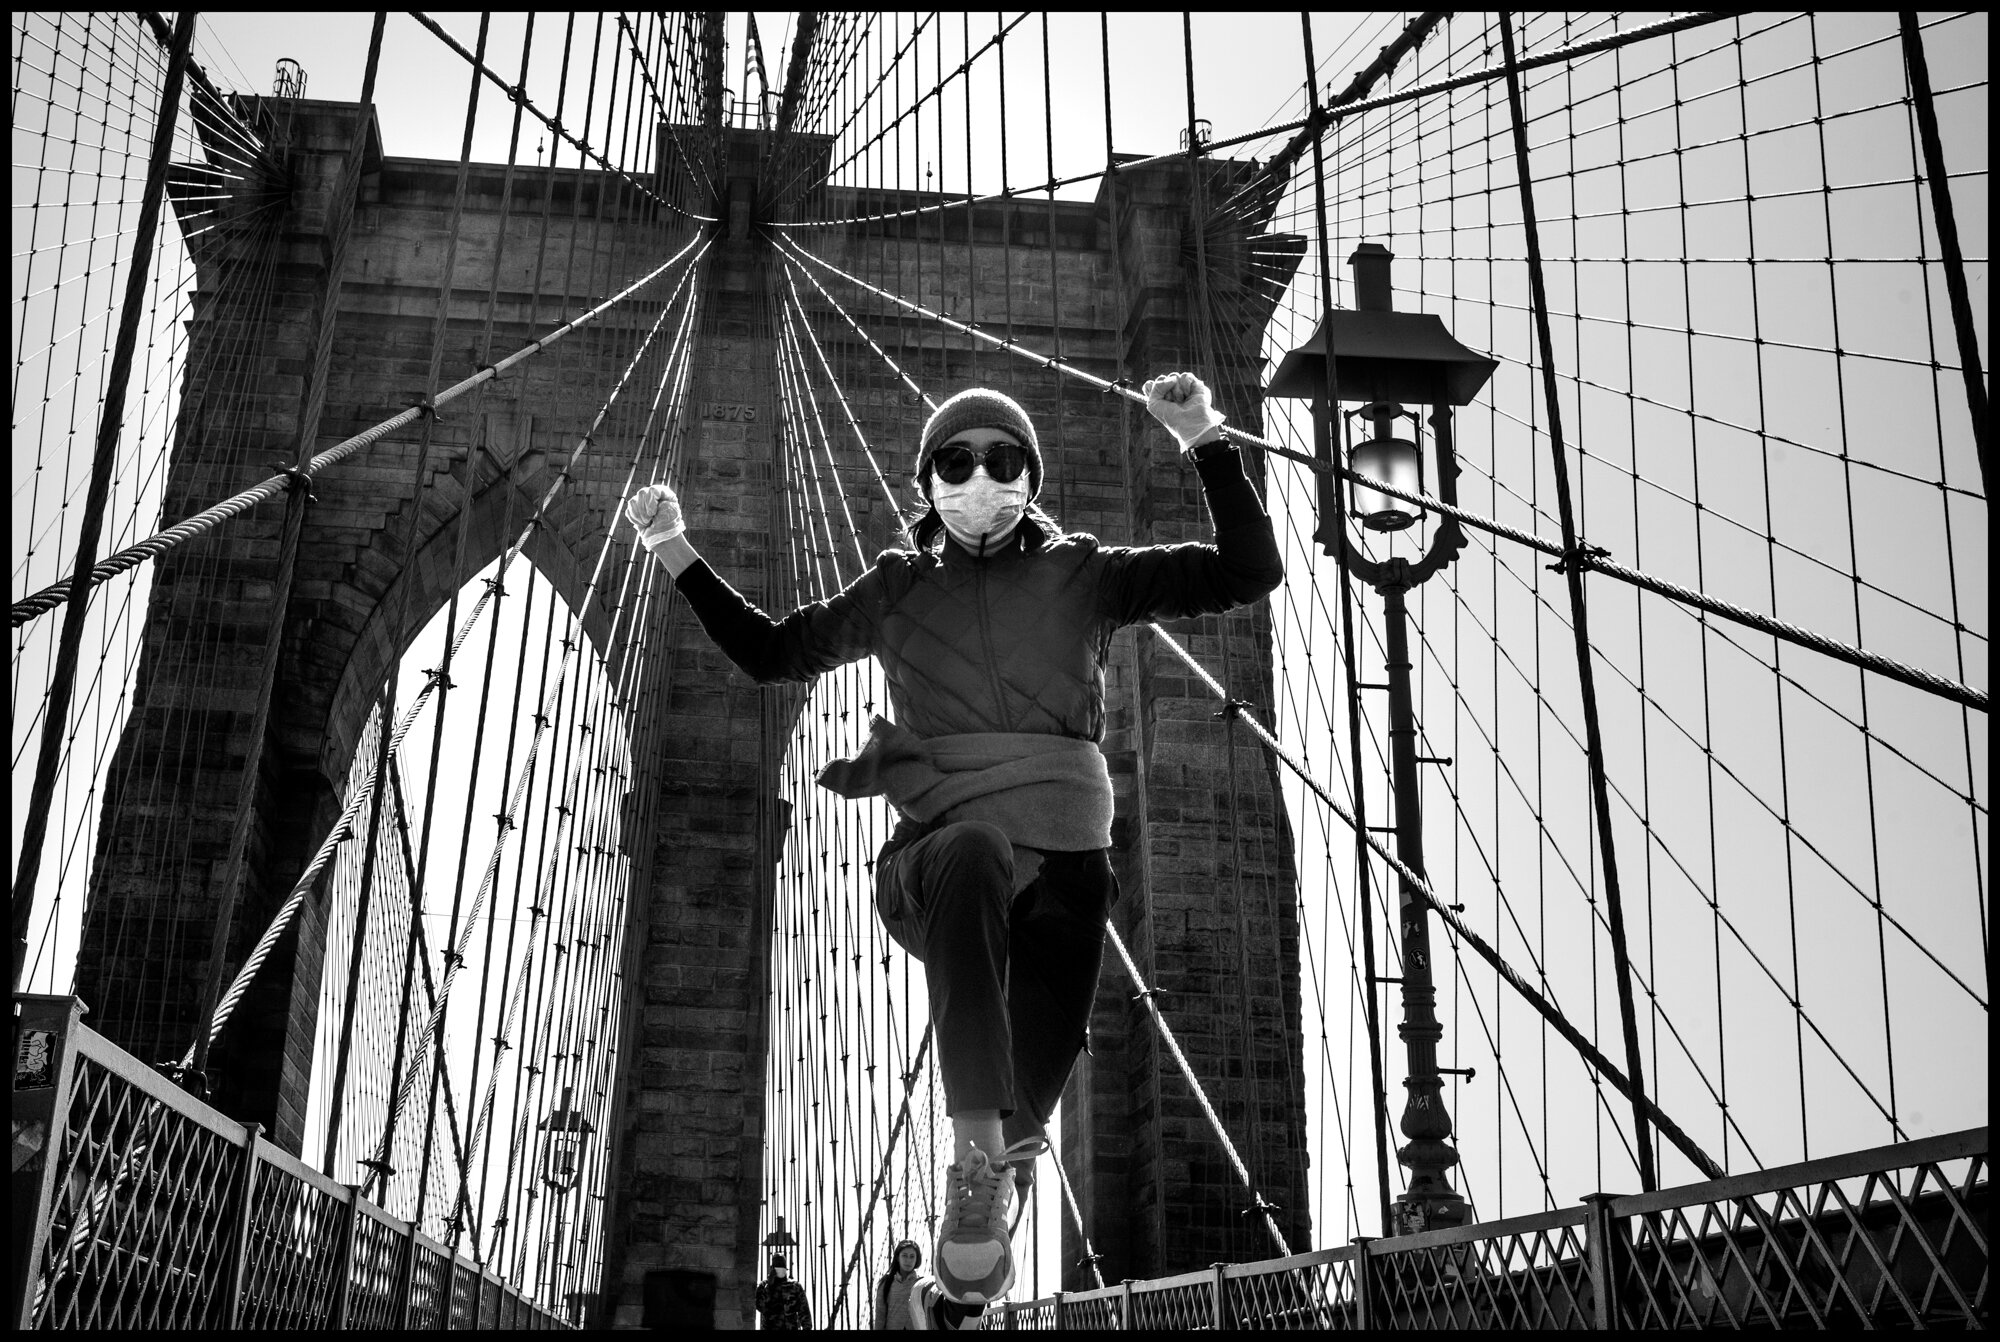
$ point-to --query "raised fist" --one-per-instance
(655, 512)
(1180, 401)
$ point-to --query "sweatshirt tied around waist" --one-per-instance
(1046, 792)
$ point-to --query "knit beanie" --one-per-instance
(982, 408)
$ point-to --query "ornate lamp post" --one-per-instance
(564, 1134)
(1383, 358)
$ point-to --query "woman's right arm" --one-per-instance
(810, 640)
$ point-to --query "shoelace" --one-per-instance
(980, 1192)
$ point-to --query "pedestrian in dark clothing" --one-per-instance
(781, 1302)
(992, 634)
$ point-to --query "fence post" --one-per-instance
(239, 1249)
(1599, 1249)
(1219, 1315)
(1364, 1283)
(409, 1274)
(343, 1290)
(1125, 1305)
(1058, 1310)
(44, 1070)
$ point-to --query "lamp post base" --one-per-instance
(1417, 1211)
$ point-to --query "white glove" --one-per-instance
(655, 512)
(1181, 402)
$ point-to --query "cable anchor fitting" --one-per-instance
(1580, 556)
(296, 480)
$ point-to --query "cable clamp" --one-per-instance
(295, 480)
(492, 368)
(1233, 708)
(1118, 384)
(425, 406)
(1258, 1203)
(381, 1167)
(190, 1079)
(436, 675)
(453, 958)
(1580, 556)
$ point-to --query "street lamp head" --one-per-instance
(1393, 461)
(564, 1133)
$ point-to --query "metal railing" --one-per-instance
(135, 1205)
(1891, 1237)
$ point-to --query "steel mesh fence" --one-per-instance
(1893, 1237)
(152, 1210)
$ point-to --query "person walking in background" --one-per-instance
(992, 634)
(781, 1302)
(892, 1293)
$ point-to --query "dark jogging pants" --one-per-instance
(1011, 976)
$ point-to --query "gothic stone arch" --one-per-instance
(687, 1124)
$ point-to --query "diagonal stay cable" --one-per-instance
(59, 592)
(455, 957)
(1586, 556)
(1258, 1202)
(1325, 117)
(882, 1177)
(343, 826)
(554, 124)
(1422, 889)
(1145, 994)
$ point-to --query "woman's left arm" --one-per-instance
(1176, 581)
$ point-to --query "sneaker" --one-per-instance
(975, 1255)
(931, 1308)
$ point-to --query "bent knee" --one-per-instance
(977, 841)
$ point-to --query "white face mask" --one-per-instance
(981, 512)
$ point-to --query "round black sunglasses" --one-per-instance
(1004, 462)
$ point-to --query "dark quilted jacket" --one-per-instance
(1014, 642)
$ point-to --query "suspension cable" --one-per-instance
(1584, 555)
(209, 518)
(1422, 889)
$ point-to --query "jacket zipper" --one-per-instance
(986, 640)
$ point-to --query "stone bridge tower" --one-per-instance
(1201, 835)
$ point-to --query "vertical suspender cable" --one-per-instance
(1379, 1101)
(402, 602)
(1572, 568)
(385, 710)
(111, 421)
(420, 872)
(229, 891)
